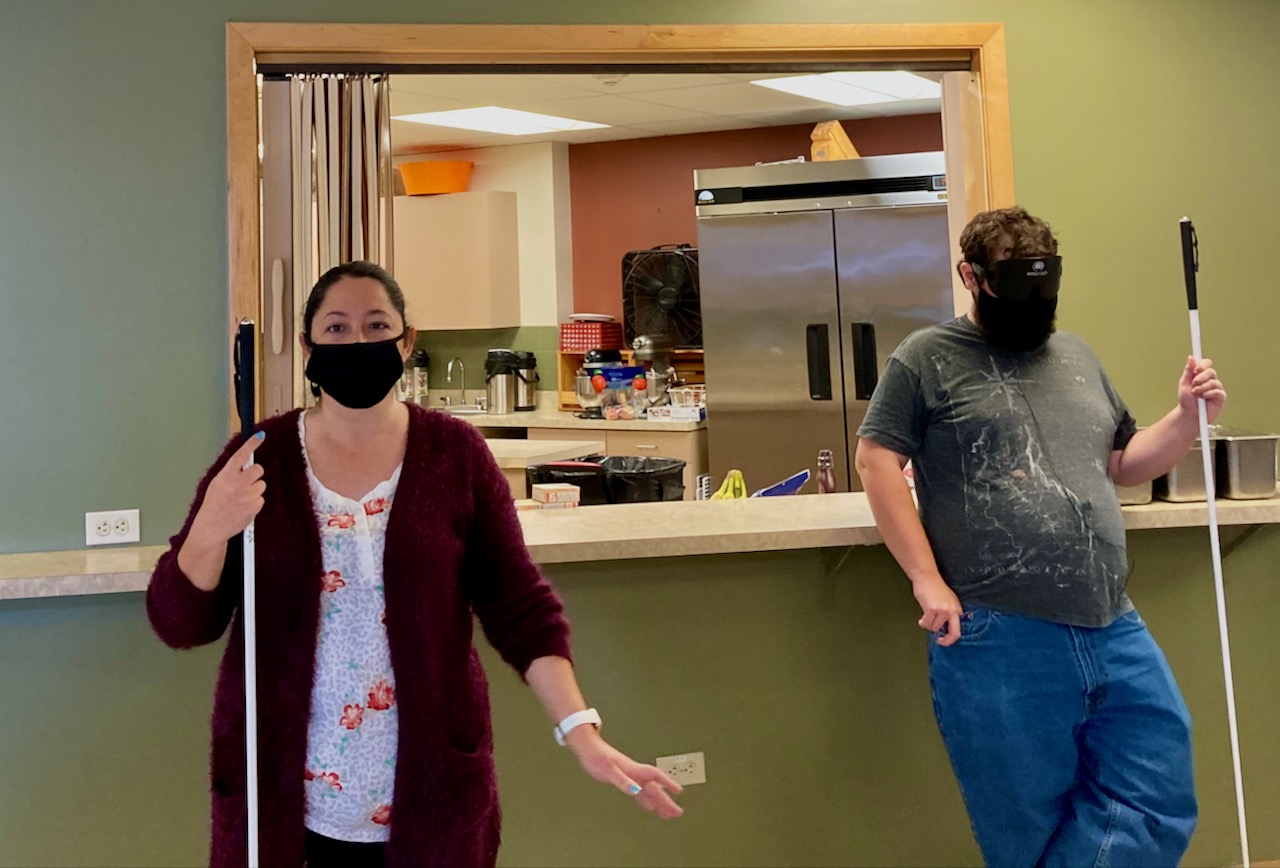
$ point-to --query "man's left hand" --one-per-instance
(1200, 380)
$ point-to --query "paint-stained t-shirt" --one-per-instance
(1010, 453)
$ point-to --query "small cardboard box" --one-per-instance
(525, 504)
(568, 504)
(556, 492)
(671, 413)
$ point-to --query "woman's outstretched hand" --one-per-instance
(647, 784)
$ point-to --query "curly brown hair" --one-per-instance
(1029, 236)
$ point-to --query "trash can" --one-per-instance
(633, 479)
(616, 479)
(586, 473)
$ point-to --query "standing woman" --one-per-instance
(381, 528)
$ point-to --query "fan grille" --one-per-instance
(660, 295)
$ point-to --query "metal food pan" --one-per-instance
(1184, 483)
(1134, 495)
(1244, 468)
(1246, 465)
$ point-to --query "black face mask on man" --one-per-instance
(1021, 315)
(358, 375)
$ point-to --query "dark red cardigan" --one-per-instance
(454, 547)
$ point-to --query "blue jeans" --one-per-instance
(1072, 746)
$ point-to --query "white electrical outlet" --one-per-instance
(686, 768)
(112, 527)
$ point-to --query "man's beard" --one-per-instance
(1018, 326)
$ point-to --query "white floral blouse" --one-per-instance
(351, 741)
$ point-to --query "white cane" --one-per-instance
(245, 356)
(1191, 265)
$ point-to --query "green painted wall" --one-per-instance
(114, 333)
(473, 345)
(113, 348)
(809, 697)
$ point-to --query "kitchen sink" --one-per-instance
(464, 410)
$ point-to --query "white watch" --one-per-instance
(575, 720)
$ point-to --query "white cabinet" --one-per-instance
(457, 260)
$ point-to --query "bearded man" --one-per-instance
(1066, 730)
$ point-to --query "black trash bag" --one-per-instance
(635, 479)
(586, 473)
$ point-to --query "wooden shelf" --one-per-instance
(688, 364)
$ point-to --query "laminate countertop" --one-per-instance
(547, 416)
(604, 533)
(519, 454)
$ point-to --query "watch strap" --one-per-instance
(575, 720)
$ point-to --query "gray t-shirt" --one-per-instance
(1010, 453)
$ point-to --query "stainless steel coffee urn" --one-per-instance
(500, 375)
(526, 381)
(418, 363)
(413, 385)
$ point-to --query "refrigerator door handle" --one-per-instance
(818, 347)
(865, 369)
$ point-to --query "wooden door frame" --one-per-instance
(248, 44)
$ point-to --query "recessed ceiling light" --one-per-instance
(504, 121)
(855, 88)
(824, 89)
(897, 84)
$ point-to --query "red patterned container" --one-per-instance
(578, 337)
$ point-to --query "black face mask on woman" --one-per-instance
(356, 375)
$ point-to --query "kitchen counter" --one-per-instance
(604, 533)
(519, 454)
(547, 416)
(513, 456)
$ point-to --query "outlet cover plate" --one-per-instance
(686, 768)
(112, 527)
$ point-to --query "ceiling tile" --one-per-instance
(610, 134)
(404, 102)
(422, 140)
(613, 110)
(756, 76)
(808, 116)
(407, 136)
(707, 125)
(730, 99)
(905, 107)
(505, 90)
(635, 83)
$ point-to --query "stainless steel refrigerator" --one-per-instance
(811, 275)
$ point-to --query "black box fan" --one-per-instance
(660, 295)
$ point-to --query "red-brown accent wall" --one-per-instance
(635, 194)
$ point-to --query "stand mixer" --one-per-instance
(589, 399)
(654, 351)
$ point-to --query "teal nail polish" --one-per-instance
(635, 789)
(261, 435)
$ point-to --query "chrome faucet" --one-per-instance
(462, 378)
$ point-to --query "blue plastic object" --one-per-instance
(790, 485)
